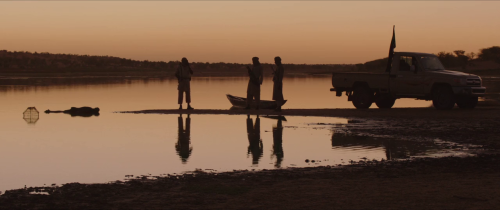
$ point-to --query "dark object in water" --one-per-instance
(242, 102)
(278, 117)
(82, 111)
(31, 115)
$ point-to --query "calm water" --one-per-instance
(58, 148)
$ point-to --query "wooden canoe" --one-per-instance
(242, 102)
(275, 117)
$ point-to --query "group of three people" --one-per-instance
(256, 77)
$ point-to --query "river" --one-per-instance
(58, 148)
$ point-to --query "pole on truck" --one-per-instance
(391, 50)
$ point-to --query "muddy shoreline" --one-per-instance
(485, 109)
(417, 183)
(445, 183)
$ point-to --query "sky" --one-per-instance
(322, 32)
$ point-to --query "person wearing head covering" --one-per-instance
(255, 147)
(183, 146)
(183, 75)
(256, 77)
(278, 83)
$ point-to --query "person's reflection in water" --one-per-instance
(255, 146)
(390, 148)
(183, 142)
(278, 143)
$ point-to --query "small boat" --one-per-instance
(274, 117)
(242, 102)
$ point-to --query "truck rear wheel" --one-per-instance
(362, 97)
(467, 102)
(443, 98)
(385, 101)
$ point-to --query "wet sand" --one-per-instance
(484, 110)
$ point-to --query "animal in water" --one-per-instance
(80, 111)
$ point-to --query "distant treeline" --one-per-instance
(12, 62)
(487, 58)
(28, 63)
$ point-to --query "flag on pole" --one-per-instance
(391, 50)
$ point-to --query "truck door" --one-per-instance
(406, 80)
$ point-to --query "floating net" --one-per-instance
(31, 115)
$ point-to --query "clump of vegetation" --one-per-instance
(461, 59)
(492, 53)
(456, 59)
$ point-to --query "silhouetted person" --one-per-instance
(404, 66)
(278, 143)
(256, 77)
(413, 63)
(255, 146)
(183, 75)
(278, 83)
(184, 139)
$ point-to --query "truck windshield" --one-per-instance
(431, 63)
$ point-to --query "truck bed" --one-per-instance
(347, 80)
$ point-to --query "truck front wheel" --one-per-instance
(362, 97)
(385, 101)
(467, 102)
(443, 98)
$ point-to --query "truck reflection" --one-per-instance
(182, 146)
(394, 149)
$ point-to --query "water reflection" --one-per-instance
(394, 149)
(255, 147)
(183, 145)
(121, 144)
(278, 143)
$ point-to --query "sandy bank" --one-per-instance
(484, 110)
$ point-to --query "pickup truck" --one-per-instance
(412, 75)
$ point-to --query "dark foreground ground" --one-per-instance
(445, 183)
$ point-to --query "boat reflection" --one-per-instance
(255, 147)
(183, 145)
(394, 149)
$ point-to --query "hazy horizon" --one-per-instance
(233, 32)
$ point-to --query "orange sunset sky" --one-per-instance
(323, 32)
